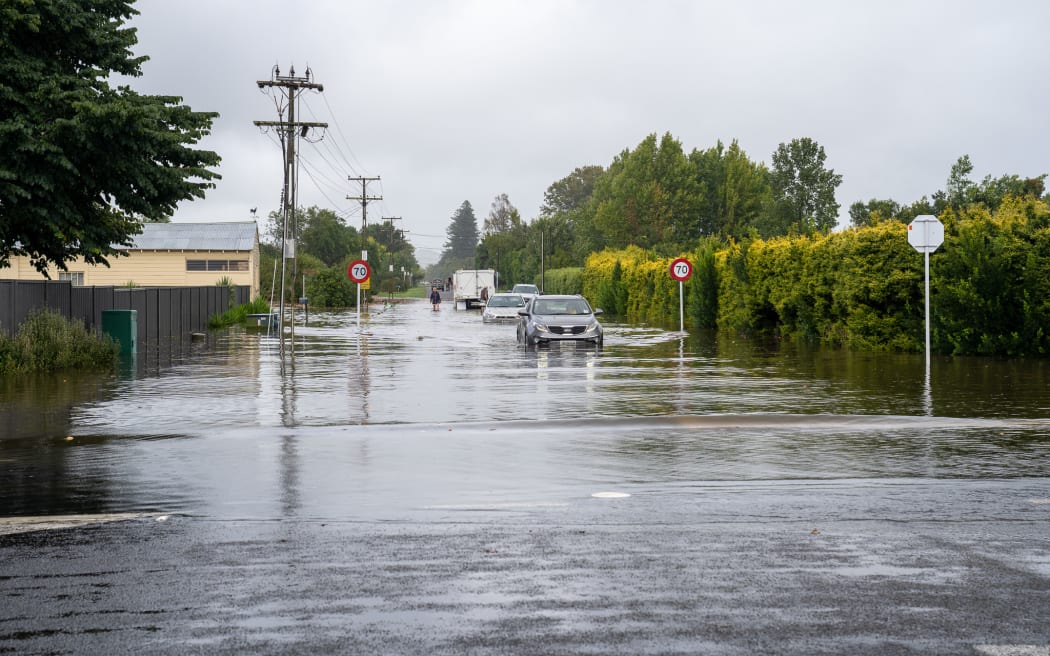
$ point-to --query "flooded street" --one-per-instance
(662, 494)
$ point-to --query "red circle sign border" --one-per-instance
(350, 271)
(686, 276)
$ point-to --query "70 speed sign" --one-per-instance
(359, 271)
(681, 269)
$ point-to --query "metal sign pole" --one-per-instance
(926, 257)
(681, 308)
(926, 234)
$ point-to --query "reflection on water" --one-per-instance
(417, 400)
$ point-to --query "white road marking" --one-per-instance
(11, 525)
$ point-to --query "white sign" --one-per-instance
(926, 233)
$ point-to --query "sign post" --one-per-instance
(681, 270)
(359, 272)
(926, 234)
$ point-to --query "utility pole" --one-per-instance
(364, 199)
(289, 131)
(390, 221)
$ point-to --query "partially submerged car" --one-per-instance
(502, 307)
(558, 318)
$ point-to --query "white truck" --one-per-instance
(471, 287)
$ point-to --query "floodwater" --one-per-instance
(420, 412)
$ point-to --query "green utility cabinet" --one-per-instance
(122, 326)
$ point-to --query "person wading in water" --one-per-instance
(435, 298)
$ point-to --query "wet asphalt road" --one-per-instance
(726, 534)
(919, 568)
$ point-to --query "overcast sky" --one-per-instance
(449, 101)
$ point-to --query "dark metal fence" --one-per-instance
(161, 311)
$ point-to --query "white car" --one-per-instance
(528, 292)
(502, 307)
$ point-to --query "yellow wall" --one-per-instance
(148, 269)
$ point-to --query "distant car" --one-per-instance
(502, 307)
(528, 292)
(558, 318)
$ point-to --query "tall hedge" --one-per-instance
(860, 288)
(567, 280)
(991, 282)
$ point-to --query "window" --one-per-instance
(75, 277)
(216, 265)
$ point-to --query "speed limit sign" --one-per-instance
(359, 271)
(681, 269)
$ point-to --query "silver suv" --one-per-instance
(558, 318)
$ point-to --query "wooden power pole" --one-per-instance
(364, 199)
(289, 131)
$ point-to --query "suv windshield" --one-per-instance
(560, 306)
(526, 289)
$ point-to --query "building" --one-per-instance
(167, 255)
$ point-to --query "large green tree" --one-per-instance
(84, 162)
(571, 192)
(462, 235)
(961, 192)
(734, 191)
(569, 200)
(649, 197)
(503, 216)
(803, 189)
(503, 243)
(326, 236)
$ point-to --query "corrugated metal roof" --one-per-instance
(229, 236)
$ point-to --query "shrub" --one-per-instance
(47, 341)
(331, 288)
(239, 314)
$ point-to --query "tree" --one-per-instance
(734, 191)
(274, 230)
(960, 189)
(326, 236)
(875, 210)
(803, 189)
(572, 192)
(503, 217)
(462, 235)
(569, 199)
(648, 197)
(85, 163)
